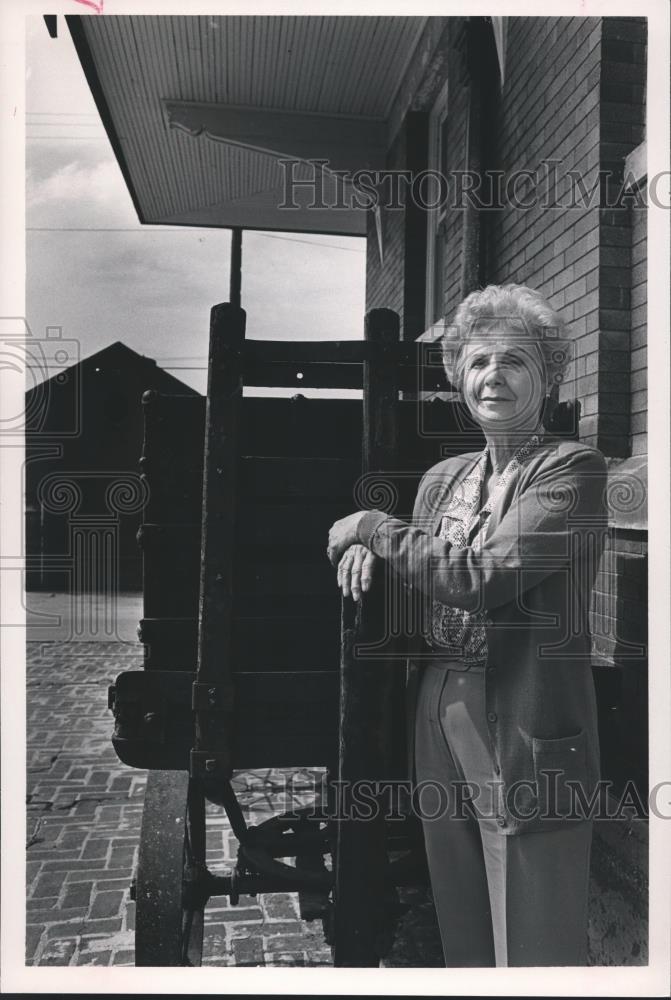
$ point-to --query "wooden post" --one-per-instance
(236, 267)
(213, 689)
(364, 916)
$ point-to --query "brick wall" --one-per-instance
(550, 112)
(622, 125)
(573, 100)
(639, 354)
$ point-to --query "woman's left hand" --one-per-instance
(343, 534)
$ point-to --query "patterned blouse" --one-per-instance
(454, 632)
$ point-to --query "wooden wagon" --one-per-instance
(252, 660)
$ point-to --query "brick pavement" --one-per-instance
(84, 813)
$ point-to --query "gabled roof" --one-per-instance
(119, 356)
(200, 109)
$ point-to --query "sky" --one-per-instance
(152, 287)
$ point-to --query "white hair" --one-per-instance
(523, 313)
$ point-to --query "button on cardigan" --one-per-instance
(532, 576)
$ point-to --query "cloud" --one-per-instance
(154, 290)
(78, 193)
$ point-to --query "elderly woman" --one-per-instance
(503, 547)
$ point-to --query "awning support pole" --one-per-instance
(236, 266)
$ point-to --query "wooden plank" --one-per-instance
(351, 352)
(268, 523)
(286, 720)
(329, 428)
(184, 538)
(284, 606)
(275, 644)
(174, 499)
(303, 352)
(172, 456)
(171, 569)
(428, 432)
(293, 478)
(326, 428)
(341, 376)
(263, 581)
(171, 579)
(304, 376)
(171, 590)
(280, 720)
(369, 690)
(220, 497)
(170, 643)
(285, 550)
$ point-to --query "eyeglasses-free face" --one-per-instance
(503, 382)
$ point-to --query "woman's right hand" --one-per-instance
(355, 571)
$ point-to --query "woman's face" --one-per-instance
(503, 383)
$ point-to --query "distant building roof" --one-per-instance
(119, 356)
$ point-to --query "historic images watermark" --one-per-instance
(37, 369)
(548, 186)
(550, 796)
(70, 537)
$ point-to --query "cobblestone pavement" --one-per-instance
(84, 812)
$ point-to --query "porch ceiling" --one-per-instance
(199, 109)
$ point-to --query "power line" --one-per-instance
(103, 229)
(94, 124)
(186, 229)
(309, 243)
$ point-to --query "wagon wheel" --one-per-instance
(169, 924)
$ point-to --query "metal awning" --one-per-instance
(201, 110)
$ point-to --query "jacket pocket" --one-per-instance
(558, 764)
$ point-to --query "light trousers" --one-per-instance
(501, 900)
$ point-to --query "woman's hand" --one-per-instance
(355, 571)
(342, 535)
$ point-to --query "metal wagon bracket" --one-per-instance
(291, 835)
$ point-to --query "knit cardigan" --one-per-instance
(532, 576)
